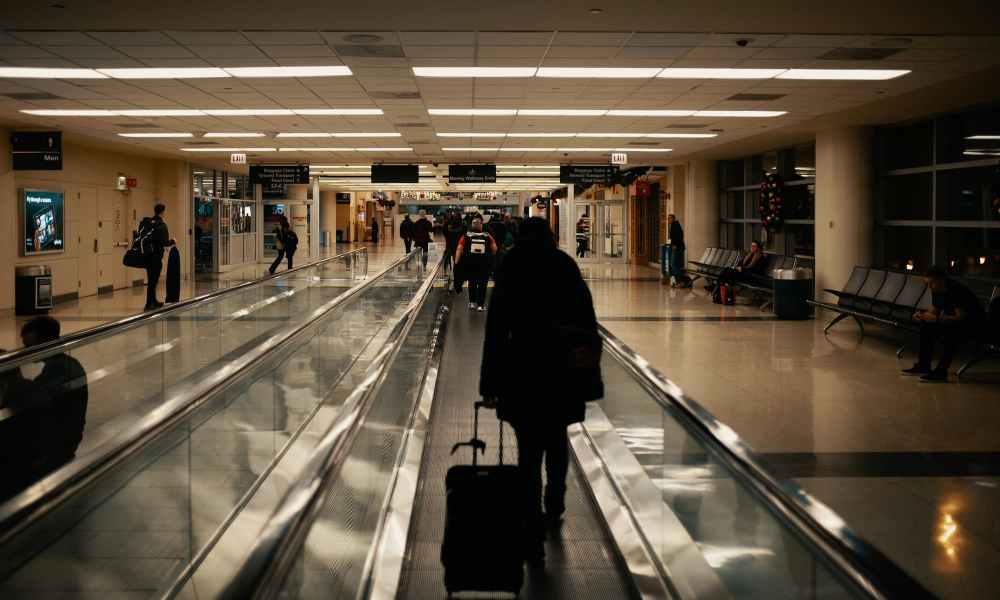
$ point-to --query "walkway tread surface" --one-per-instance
(581, 561)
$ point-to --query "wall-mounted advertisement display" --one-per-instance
(41, 222)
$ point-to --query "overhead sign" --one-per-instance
(274, 178)
(395, 174)
(238, 158)
(472, 173)
(587, 174)
(36, 150)
(619, 158)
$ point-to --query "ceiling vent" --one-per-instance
(137, 125)
(859, 53)
(687, 126)
(362, 51)
(755, 97)
(201, 143)
(394, 95)
(362, 38)
(413, 125)
(644, 143)
(33, 96)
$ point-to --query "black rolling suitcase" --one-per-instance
(482, 549)
(173, 276)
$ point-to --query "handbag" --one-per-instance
(134, 259)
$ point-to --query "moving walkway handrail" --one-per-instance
(43, 496)
(71, 340)
(261, 573)
(866, 567)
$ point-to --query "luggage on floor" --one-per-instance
(173, 276)
(483, 549)
(728, 294)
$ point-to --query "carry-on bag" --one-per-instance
(483, 549)
(173, 276)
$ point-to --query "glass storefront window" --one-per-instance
(906, 248)
(971, 252)
(907, 196)
(969, 194)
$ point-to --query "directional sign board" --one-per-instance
(274, 178)
(472, 173)
(587, 174)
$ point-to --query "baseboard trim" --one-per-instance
(105, 289)
(138, 283)
(65, 297)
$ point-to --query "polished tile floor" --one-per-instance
(912, 467)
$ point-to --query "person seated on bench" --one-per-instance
(954, 317)
(750, 265)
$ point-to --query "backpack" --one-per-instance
(143, 248)
(477, 247)
(291, 240)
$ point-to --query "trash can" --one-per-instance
(665, 263)
(792, 287)
(32, 290)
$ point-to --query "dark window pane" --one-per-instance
(907, 196)
(972, 252)
(732, 236)
(805, 161)
(969, 194)
(907, 146)
(906, 248)
(966, 136)
(731, 173)
(755, 167)
(800, 240)
(732, 205)
(800, 201)
(753, 197)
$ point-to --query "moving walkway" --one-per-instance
(317, 470)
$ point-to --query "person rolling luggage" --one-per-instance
(173, 276)
(483, 549)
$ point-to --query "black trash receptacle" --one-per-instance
(32, 290)
(792, 287)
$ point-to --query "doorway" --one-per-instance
(600, 231)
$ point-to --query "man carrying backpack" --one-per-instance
(475, 251)
(153, 238)
(286, 241)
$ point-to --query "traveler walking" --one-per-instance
(541, 404)
(955, 316)
(475, 253)
(374, 230)
(675, 252)
(422, 229)
(154, 234)
(286, 241)
(454, 230)
(406, 232)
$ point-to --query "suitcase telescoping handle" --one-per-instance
(477, 444)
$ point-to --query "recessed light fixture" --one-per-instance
(343, 112)
(474, 71)
(560, 112)
(740, 113)
(649, 113)
(470, 149)
(388, 134)
(304, 134)
(160, 112)
(644, 149)
(595, 11)
(316, 149)
(70, 112)
(328, 71)
(681, 136)
(384, 149)
(586, 149)
(49, 73)
(471, 135)
(843, 74)
(248, 112)
(229, 149)
(527, 149)
(166, 73)
(599, 72)
(234, 135)
(472, 112)
(694, 73)
(156, 135)
(983, 137)
(214, 112)
(540, 135)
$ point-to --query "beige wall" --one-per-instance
(96, 216)
(701, 207)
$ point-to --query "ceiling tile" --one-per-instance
(388, 38)
(590, 38)
(212, 52)
(18, 52)
(177, 63)
(816, 41)
(56, 38)
(756, 40)
(85, 51)
(317, 51)
(653, 51)
(789, 53)
(511, 51)
(209, 38)
(109, 63)
(171, 51)
(582, 52)
(719, 52)
(440, 51)
(53, 62)
(505, 62)
(132, 38)
(438, 38)
(9, 40)
(283, 38)
(514, 38)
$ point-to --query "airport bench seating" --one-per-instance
(892, 298)
(715, 260)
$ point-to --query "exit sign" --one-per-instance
(619, 158)
(238, 158)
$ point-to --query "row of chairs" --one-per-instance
(714, 261)
(892, 299)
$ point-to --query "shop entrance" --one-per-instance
(299, 217)
(600, 231)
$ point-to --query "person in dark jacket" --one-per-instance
(675, 252)
(454, 231)
(406, 232)
(751, 265)
(422, 229)
(374, 229)
(534, 275)
(474, 258)
(160, 240)
(287, 242)
(44, 417)
(955, 316)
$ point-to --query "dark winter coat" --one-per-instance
(541, 355)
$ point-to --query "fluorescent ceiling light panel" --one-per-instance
(234, 135)
(344, 112)
(644, 149)
(610, 135)
(527, 166)
(740, 113)
(229, 149)
(49, 73)
(474, 71)
(472, 112)
(527, 149)
(313, 167)
(366, 135)
(384, 149)
(469, 149)
(156, 135)
(472, 135)
(695, 73)
(561, 112)
(844, 74)
(586, 149)
(318, 71)
(160, 112)
(531, 173)
(983, 137)
(248, 112)
(69, 112)
(681, 136)
(541, 135)
(166, 73)
(599, 72)
(304, 134)
(316, 149)
(649, 113)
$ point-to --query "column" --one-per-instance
(314, 221)
(701, 207)
(328, 216)
(845, 215)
